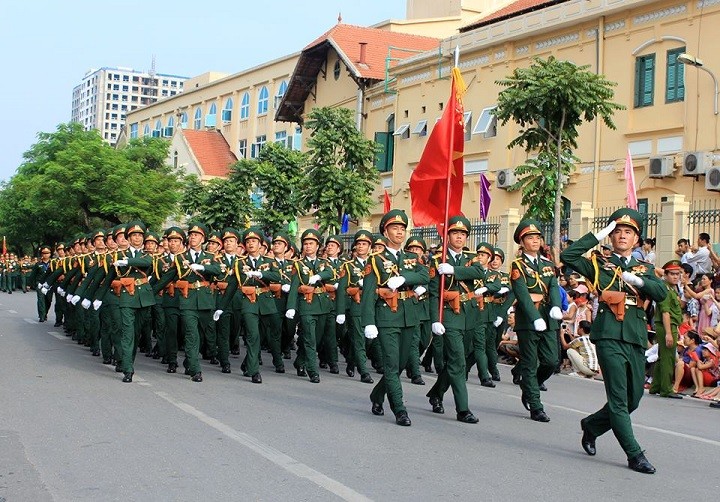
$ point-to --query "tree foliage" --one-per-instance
(550, 100)
(72, 181)
(340, 175)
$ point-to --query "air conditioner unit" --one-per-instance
(662, 167)
(712, 179)
(506, 178)
(696, 163)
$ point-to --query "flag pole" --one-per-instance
(446, 213)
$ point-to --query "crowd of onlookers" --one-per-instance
(697, 369)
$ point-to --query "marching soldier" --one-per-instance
(460, 316)
(282, 250)
(619, 331)
(157, 317)
(423, 334)
(388, 311)
(229, 321)
(327, 344)
(38, 276)
(501, 303)
(537, 314)
(26, 267)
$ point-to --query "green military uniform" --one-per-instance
(482, 339)
(56, 263)
(229, 321)
(310, 300)
(501, 302)
(328, 333)
(538, 296)
(423, 335)
(664, 369)
(459, 319)
(40, 272)
(350, 292)
(285, 268)
(620, 344)
(392, 318)
(12, 272)
(26, 267)
(191, 271)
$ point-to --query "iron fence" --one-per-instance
(548, 230)
(480, 231)
(650, 216)
(704, 216)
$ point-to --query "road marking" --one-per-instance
(275, 456)
(57, 335)
(30, 321)
(13, 311)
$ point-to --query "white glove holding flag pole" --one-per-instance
(285, 288)
(340, 319)
(290, 314)
(446, 269)
(633, 279)
(97, 304)
(600, 236)
(539, 325)
(217, 314)
(196, 267)
(371, 331)
(556, 313)
(314, 279)
(86, 304)
(120, 263)
(395, 282)
(438, 328)
(498, 321)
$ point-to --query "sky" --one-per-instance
(49, 45)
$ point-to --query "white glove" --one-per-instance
(75, 300)
(217, 314)
(446, 269)
(556, 313)
(633, 279)
(480, 291)
(313, 279)
(196, 267)
(498, 321)
(120, 263)
(360, 283)
(254, 273)
(371, 331)
(39, 286)
(395, 282)
(285, 288)
(605, 231)
(97, 304)
(438, 328)
(503, 290)
(86, 304)
(290, 314)
(420, 290)
(539, 325)
(46, 285)
(335, 286)
(60, 291)
(43, 291)
(340, 319)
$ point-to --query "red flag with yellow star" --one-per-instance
(428, 184)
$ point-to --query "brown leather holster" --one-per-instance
(615, 300)
(330, 291)
(123, 282)
(480, 301)
(183, 287)
(170, 289)
(221, 286)
(354, 293)
(250, 292)
(307, 292)
(452, 298)
(116, 286)
(537, 299)
(276, 289)
(390, 297)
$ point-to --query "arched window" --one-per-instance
(157, 132)
(280, 93)
(146, 130)
(170, 127)
(263, 101)
(184, 120)
(197, 123)
(245, 106)
(227, 110)
(211, 118)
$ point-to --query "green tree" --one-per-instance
(72, 181)
(549, 101)
(340, 176)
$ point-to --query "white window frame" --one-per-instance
(421, 128)
(403, 131)
(490, 120)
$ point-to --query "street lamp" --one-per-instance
(688, 59)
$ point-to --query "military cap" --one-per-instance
(59, 246)
(215, 237)
(335, 239)
(459, 223)
(45, 248)
(672, 266)
(499, 252)
(526, 227)
(393, 216)
(230, 232)
(266, 241)
(311, 234)
(486, 248)
(198, 228)
(363, 235)
(416, 241)
(152, 237)
(379, 240)
(295, 250)
(628, 217)
(253, 233)
(118, 229)
(96, 234)
(175, 233)
(282, 237)
(135, 227)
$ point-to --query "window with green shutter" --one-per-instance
(383, 157)
(675, 81)
(644, 80)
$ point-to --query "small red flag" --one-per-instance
(428, 184)
(386, 202)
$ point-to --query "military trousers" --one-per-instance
(60, 306)
(477, 349)
(538, 358)
(307, 358)
(172, 332)
(272, 326)
(453, 373)
(43, 304)
(664, 369)
(110, 332)
(623, 370)
(92, 328)
(356, 347)
(132, 320)
(196, 324)
(394, 349)
(225, 327)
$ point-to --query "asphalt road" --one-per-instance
(71, 431)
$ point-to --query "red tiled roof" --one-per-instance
(211, 151)
(346, 38)
(514, 9)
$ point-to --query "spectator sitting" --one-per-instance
(706, 372)
(578, 310)
(509, 342)
(581, 352)
(690, 354)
